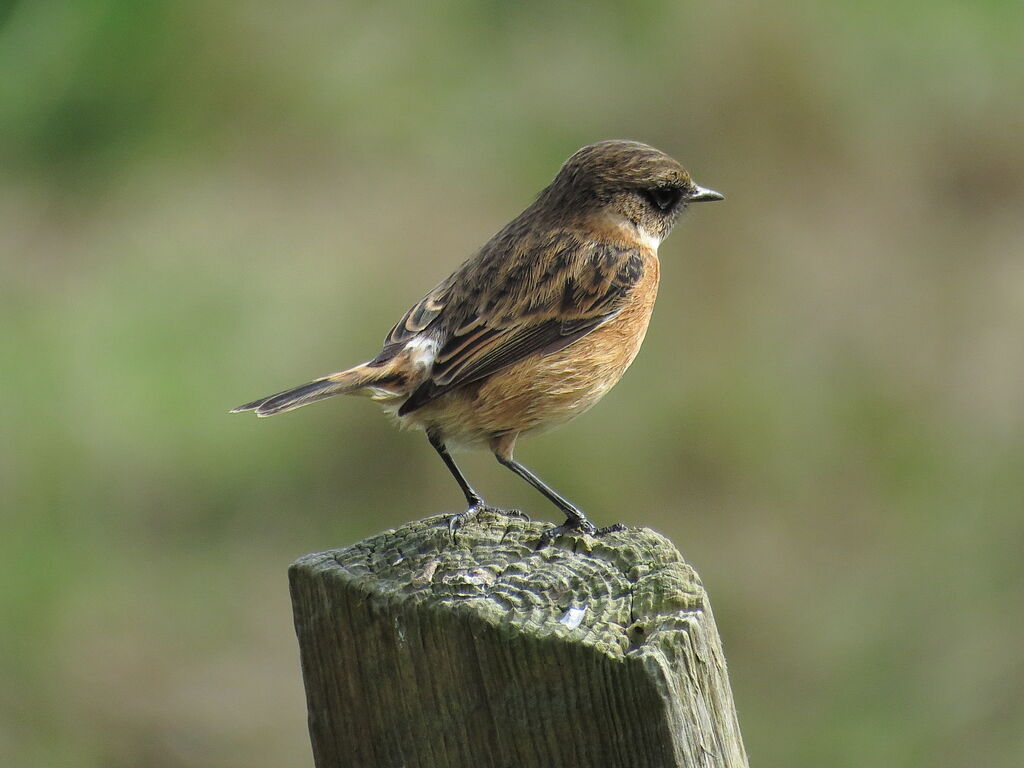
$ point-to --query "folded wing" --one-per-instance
(524, 306)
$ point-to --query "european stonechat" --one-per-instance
(536, 326)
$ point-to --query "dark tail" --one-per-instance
(328, 386)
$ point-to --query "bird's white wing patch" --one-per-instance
(421, 351)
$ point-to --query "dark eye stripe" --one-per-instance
(663, 198)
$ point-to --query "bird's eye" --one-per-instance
(663, 198)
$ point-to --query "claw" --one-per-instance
(459, 519)
(573, 526)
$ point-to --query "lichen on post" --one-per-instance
(423, 650)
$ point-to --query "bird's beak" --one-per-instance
(701, 195)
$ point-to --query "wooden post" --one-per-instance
(423, 652)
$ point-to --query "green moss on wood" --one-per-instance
(423, 650)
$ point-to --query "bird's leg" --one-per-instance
(474, 501)
(575, 521)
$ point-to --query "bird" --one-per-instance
(535, 327)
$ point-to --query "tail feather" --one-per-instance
(319, 389)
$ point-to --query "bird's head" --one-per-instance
(626, 179)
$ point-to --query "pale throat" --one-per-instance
(636, 233)
(647, 239)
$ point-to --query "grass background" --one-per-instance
(204, 202)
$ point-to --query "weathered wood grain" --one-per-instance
(423, 652)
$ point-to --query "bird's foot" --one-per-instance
(459, 519)
(576, 525)
(517, 514)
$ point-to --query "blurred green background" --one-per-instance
(204, 202)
